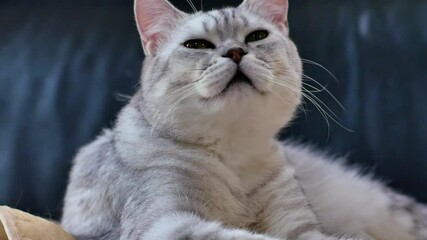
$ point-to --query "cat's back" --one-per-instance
(327, 182)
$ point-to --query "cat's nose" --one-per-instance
(235, 54)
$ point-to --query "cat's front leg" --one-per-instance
(170, 203)
(188, 226)
(287, 213)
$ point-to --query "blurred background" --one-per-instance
(65, 64)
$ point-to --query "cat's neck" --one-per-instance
(250, 158)
(251, 154)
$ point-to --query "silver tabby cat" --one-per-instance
(194, 155)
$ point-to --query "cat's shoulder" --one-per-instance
(93, 157)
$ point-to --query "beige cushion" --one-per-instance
(18, 225)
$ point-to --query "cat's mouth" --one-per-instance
(239, 78)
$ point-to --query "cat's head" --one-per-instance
(208, 73)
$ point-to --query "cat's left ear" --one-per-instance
(274, 10)
(155, 20)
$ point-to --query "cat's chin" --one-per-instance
(237, 91)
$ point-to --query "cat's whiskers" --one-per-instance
(330, 94)
(192, 6)
(331, 115)
(319, 65)
(321, 103)
(122, 97)
(201, 5)
(323, 109)
(318, 104)
(312, 63)
(322, 88)
(293, 89)
(310, 78)
(322, 113)
(278, 95)
(274, 61)
(321, 106)
(303, 105)
(187, 93)
(167, 104)
(288, 87)
(304, 108)
(316, 89)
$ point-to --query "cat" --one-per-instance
(193, 155)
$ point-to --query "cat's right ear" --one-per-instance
(274, 10)
(155, 19)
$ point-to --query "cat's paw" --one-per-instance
(237, 234)
(345, 238)
(317, 235)
(324, 237)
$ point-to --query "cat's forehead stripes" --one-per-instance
(224, 23)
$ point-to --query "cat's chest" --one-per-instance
(249, 171)
(231, 204)
(232, 190)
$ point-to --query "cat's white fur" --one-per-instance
(347, 201)
(195, 162)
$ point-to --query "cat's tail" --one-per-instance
(421, 218)
(404, 213)
(416, 211)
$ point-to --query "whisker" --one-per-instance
(319, 65)
(192, 5)
(308, 91)
(323, 109)
(316, 90)
(333, 97)
(323, 88)
(312, 63)
(294, 90)
(322, 113)
(304, 108)
(289, 88)
(122, 97)
(337, 121)
(173, 108)
(167, 104)
(138, 84)
(273, 61)
(320, 102)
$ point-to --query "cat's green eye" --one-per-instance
(199, 44)
(256, 36)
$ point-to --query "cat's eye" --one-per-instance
(256, 36)
(199, 44)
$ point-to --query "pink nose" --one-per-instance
(235, 54)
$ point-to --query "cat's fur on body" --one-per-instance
(192, 158)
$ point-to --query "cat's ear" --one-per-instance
(275, 10)
(155, 19)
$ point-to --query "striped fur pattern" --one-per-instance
(189, 159)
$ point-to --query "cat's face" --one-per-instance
(210, 71)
